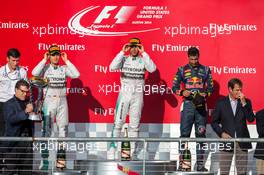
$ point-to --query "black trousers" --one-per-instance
(18, 158)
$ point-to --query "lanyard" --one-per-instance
(12, 79)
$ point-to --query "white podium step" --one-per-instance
(125, 167)
(190, 173)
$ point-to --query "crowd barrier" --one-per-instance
(99, 165)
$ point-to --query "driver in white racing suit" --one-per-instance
(130, 99)
(55, 103)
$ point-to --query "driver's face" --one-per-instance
(193, 60)
(134, 50)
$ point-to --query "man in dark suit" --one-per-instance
(229, 121)
(18, 155)
(259, 152)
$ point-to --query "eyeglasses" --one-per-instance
(23, 91)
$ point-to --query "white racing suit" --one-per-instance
(130, 99)
(55, 105)
(55, 102)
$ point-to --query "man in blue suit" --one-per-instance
(16, 111)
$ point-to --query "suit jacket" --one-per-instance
(17, 124)
(223, 120)
(16, 119)
(259, 152)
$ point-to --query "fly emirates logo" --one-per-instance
(106, 21)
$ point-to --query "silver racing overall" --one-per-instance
(55, 107)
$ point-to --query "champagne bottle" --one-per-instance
(125, 148)
(186, 159)
(61, 157)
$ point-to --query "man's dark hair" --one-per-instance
(233, 81)
(13, 52)
(21, 82)
(193, 51)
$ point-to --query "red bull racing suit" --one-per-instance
(197, 79)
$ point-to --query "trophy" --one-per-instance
(39, 83)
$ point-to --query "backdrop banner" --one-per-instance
(228, 34)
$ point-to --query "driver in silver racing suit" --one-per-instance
(130, 99)
(55, 102)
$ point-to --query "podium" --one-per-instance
(67, 172)
(106, 167)
(190, 173)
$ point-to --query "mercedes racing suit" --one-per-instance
(130, 99)
(55, 102)
(194, 79)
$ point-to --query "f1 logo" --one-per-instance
(121, 16)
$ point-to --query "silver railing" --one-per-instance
(143, 162)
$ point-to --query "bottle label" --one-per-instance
(61, 163)
(125, 154)
(186, 164)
